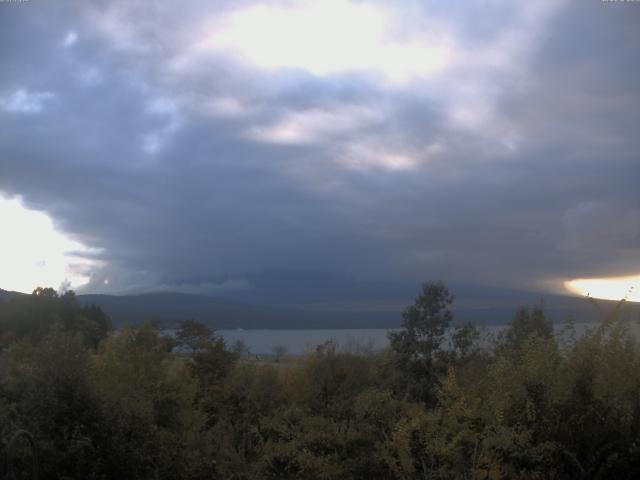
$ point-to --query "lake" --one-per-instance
(297, 342)
(261, 342)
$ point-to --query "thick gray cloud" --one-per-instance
(507, 155)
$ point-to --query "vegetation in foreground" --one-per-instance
(137, 404)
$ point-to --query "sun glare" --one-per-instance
(33, 253)
(616, 288)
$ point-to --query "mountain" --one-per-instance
(287, 287)
(484, 306)
(283, 301)
(8, 295)
(171, 308)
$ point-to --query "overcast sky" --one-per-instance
(187, 142)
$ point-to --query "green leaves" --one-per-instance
(533, 405)
(418, 345)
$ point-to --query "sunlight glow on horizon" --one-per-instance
(33, 253)
(614, 288)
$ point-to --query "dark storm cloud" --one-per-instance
(517, 165)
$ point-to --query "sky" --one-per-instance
(185, 146)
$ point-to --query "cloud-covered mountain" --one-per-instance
(481, 306)
(334, 305)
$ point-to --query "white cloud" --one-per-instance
(163, 106)
(402, 47)
(70, 39)
(223, 107)
(326, 37)
(315, 125)
(23, 101)
(153, 142)
(91, 76)
(374, 154)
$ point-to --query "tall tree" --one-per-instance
(419, 343)
(527, 322)
(194, 336)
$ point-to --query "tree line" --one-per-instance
(440, 402)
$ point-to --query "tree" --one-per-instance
(424, 324)
(194, 336)
(45, 292)
(279, 351)
(241, 349)
(32, 316)
(56, 401)
(464, 341)
(212, 362)
(527, 322)
(418, 344)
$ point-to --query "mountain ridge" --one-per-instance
(483, 306)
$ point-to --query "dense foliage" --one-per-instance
(439, 403)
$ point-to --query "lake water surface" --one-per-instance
(297, 342)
